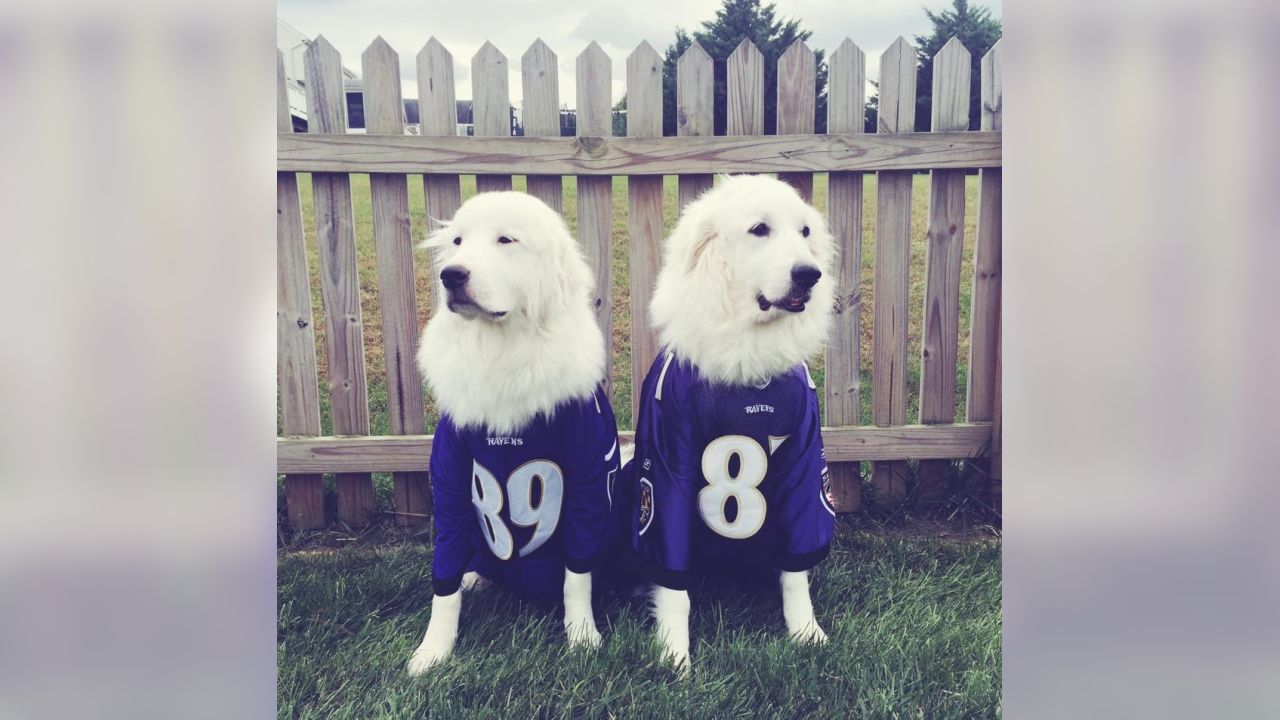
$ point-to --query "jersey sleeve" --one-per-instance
(665, 475)
(592, 441)
(805, 516)
(454, 518)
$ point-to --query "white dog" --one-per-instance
(525, 454)
(728, 448)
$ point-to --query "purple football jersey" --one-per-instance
(728, 473)
(521, 507)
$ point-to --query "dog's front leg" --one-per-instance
(442, 631)
(579, 619)
(797, 608)
(671, 615)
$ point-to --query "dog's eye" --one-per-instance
(805, 231)
(759, 230)
(504, 240)
(457, 240)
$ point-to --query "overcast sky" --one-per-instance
(567, 26)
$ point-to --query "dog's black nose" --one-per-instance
(454, 276)
(805, 276)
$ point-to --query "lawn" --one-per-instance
(914, 626)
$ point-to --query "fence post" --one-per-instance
(340, 288)
(744, 90)
(295, 336)
(695, 99)
(397, 289)
(846, 98)
(644, 192)
(797, 100)
(438, 112)
(944, 251)
(893, 255)
(595, 192)
(540, 81)
(491, 106)
(984, 335)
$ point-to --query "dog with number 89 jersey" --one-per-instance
(729, 465)
(526, 451)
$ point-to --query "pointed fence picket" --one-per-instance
(644, 156)
(944, 251)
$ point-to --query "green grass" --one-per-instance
(914, 626)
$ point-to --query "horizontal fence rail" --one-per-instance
(408, 453)
(637, 155)
(593, 150)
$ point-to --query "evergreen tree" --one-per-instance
(735, 20)
(977, 30)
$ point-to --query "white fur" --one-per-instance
(442, 631)
(704, 305)
(705, 309)
(501, 371)
(579, 619)
(671, 616)
(797, 608)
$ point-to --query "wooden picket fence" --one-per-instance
(894, 152)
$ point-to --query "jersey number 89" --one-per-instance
(713, 500)
(486, 495)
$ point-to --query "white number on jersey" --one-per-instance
(713, 499)
(486, 495)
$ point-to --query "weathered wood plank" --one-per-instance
(893, 256)
(491, 106)
(797, 105)
(397, 290)
(744, 90)
(540, 80)
(644, 119)
(984, 391)
(602, 155)
(295, 336)
(391, 453)
(438, 112)
(944, 251)
(595, 193)
(985, 316)
(846, 98)
(695, 99)
(339, 287)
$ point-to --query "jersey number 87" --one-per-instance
(486, 495)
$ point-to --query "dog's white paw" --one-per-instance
(429, 654)
(583, 634)
(474, 581)
(679, 659)
(810, 634)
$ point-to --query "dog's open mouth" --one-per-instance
(463, 305)
(793, 302)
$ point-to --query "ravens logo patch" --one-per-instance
(646, 504)
(826, 490)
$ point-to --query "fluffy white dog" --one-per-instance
(524, 458)
(728, 446)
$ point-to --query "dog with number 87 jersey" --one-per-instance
(526, 451)
(729, 464)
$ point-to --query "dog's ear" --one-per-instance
(439, 237)
(566, 280)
